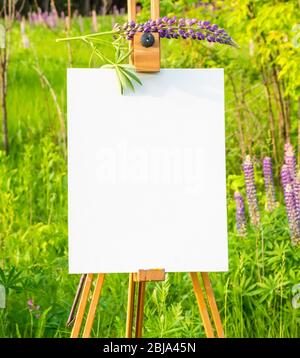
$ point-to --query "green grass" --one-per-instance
(254, 297)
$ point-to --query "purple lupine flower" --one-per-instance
(80, 23)
(251, 191)
(51, 21)
(18, 16)
(33, 308)
(40, 17)
(285, 176)
(287, 146)
(184, 28)
(95, 22)
(30, 304)
(115, 11)
(240, 214)
(292, 215)
(25, 41)
(269, 183)
(290, 160)
(33, 18)
(296, 189)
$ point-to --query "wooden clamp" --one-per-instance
(149, 275)
(145, 59)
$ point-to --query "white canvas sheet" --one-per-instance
(146, 172)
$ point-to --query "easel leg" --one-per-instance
(213, 305)
(76, 299)
(140, 310)
(93, 305)
(82, 305)
(130, 306)
(202, 305)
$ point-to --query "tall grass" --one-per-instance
(254, 297)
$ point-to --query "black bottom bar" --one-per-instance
(149, 347)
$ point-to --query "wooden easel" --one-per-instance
(144, 60)
(141, 278)
(144, 276)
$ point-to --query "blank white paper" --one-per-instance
(146, 172)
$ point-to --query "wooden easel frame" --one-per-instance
(159, 275)
(209, 313)
(144, 60)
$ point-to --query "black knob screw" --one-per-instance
(147, 39)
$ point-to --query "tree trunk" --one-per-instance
(3, 100)
(239, 116)
(9, 15)
(53, 7)
(87, 7)
(271, 113)
(280, 102)
(46, 5)
(69, 10)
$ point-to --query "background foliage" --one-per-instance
(262, 113)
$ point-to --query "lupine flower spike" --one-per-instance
(173, 28)
(240, 214)
(290, 160)
(269, 184)
(292, 215)
(285, 176)
(166, 27)
(251, 191)
(296, 188)
(34, 309)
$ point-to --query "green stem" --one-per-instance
(87, 36)
(97, 52)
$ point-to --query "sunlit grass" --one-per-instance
(254, 297)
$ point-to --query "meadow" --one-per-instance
(258, 296)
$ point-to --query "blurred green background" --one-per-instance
(262, 113)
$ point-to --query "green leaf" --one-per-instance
(121, 80)
(108, 66)
(128, 66)
(132, 75)
(91, 57)
(118, 53)
(126, 79)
